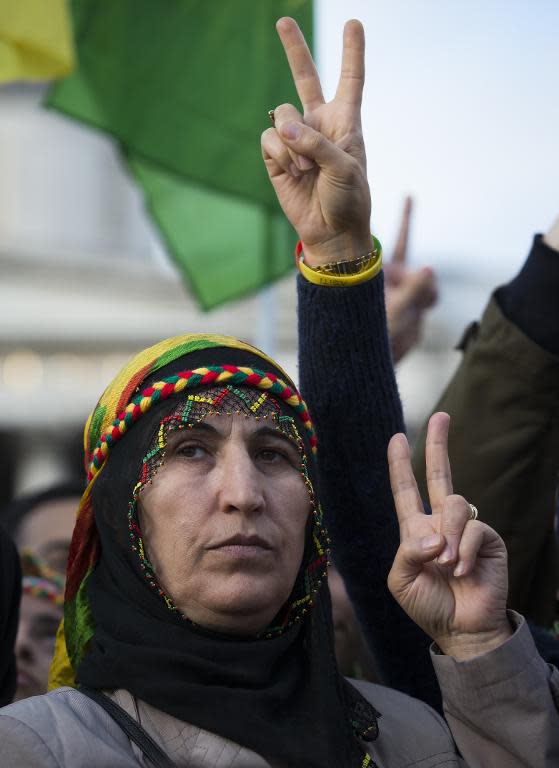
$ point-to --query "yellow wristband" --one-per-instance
(340, 281)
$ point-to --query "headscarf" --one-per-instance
(39, 580)
(280, 693)
(10, 591)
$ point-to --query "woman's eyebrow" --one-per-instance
(54, 545)
(198, 426)
(270, 432)
(46, 622)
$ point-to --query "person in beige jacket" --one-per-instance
(198, 629)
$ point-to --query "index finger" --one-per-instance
(301, 63)
(437, 465)
(352, 76)
(402, 480)
(401, 249)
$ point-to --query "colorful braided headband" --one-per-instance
(219, 374)
(35, 586)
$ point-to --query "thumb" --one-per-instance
(410, 558)
(306, 141)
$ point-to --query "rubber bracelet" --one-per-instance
(339, 281)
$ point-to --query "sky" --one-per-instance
(461, 109)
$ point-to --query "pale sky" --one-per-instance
(461, 109)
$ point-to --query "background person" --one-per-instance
(10, 590)
(39, 617)
(42, 522)
(409, 293)
(504, 442)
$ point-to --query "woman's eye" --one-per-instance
(47, 642)
(271, 456)
(191, 451)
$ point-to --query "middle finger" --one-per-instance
(439, 478)
(402, 482)
(352, 76)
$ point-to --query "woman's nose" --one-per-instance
(241, 484)
(23, 646)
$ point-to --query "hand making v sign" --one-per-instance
(316, 160)
(450, 571)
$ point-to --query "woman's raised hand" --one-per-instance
(450, 572)
(316, 160)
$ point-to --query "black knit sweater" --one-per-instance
(531, 299)
(347, 379)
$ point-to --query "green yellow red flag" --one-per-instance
(184, 86)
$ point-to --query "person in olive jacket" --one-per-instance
(504, 439)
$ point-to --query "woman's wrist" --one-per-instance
(342, 273)
(466, 646)
(345, 247)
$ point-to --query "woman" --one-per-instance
(196, 596)
(196, 591)
(40, 613)
(232, 600)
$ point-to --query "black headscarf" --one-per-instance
(10, 594)
(281, 696)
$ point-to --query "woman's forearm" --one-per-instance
(348, 380)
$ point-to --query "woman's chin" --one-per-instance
(239, 605)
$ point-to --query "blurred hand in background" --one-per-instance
(409, 293)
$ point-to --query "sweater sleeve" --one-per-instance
(529, 301)
(347, 379)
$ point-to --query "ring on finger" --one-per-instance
(473, 512)
(272, 116)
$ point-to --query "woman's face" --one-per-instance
(36, 634)
(47, 530)
(224, 522)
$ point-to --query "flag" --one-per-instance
(184, 86)
(35, 40)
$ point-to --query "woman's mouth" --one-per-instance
(243, 546)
